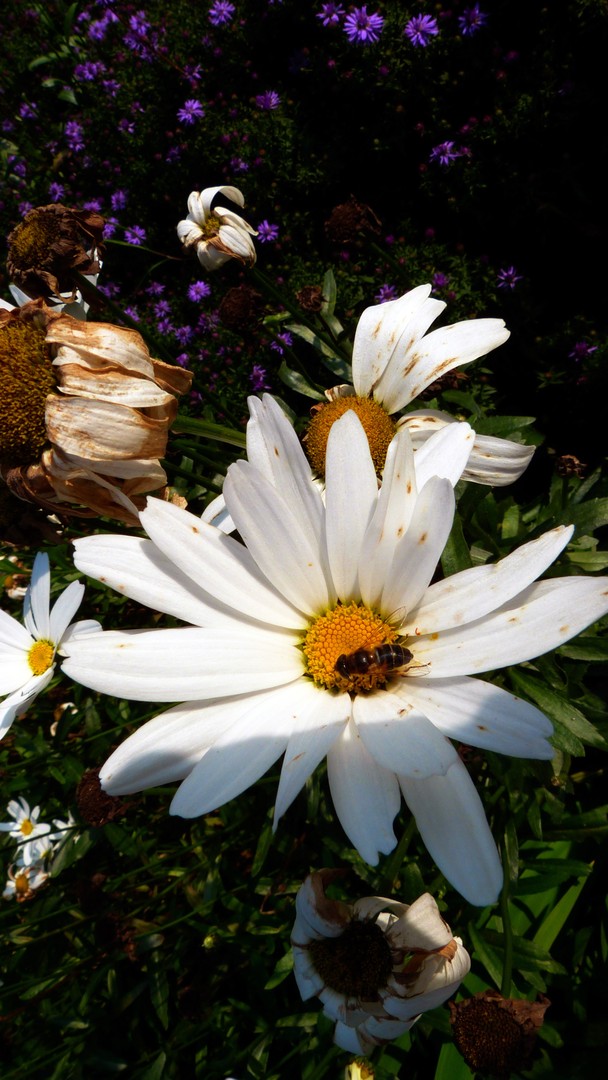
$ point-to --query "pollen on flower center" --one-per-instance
(32, 239)
(27, 377)
(26, 827)
(357, 964)
(376, 422)
(344, 630)
(40, 656)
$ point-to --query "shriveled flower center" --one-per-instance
(33, 239)
(26, 378)
(376, 422)
(356, 964)
(22, 887)
(339, 632)
(211, 227)
(26, 827)
(40, 656)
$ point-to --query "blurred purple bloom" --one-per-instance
(508, 278)
(282, 339)
(133, 313)
(330, 14)
(111, 87)
(581, 351)
(93, 204)
(267, 233)
(56, 191)
(421, 29)
(268, 100)
(190, 111)
(198, 291)
(440, 281)
(27, 111)
(238, 165)
(89, 72)
(126, 126)
(135, 235)
(386, 293)
(363, 28)
(184, 334)
(73, 135)
(445, 152)
(221, 12)
(119, 199)
(257, 378)
(163, 307)
(110, 227)
(155, 288)
(471, 20)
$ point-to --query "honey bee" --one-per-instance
(382, 660)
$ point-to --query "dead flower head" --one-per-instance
(376, 964)
(496, 1035)
(215, 232)
(49, 246)
(86, 413)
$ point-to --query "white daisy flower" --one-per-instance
(25, 828)
(375, 965)
(27, 653)
(270, 665)
(23, 881)
(394, 359)
(217, 235)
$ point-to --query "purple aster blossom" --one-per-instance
(155, 288)
(508, 278)
(445, 152)
(330, 14)
(93, 204)
(135, 235)
(126, 126)
(89, 72)
(184, 334)
(24, 208)
(471, 20)
(7, 126)
(190, 112)
(56, 191)
(386, 293)
(27, 111)
(119, 199)
(111, 87)
(267, 233)
(74, 135)
(109, 228)
(238, 165)
(198, 291)
(109, 289)
(282, 339)
(440, 281)
(165, 326)
(133, 313)
(221, 12)
(268, 100)
(363, 28)
(183, 360)
(581, 351)
(420, 29)
(163, 307)
(257, 378)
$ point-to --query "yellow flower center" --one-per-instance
(341, 632)
(40, 656)
(32, 239)
(376, 422)
(26, 379)
(22, 887)
(26, 827)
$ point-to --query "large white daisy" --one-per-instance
(27, 653)
(394, 359)
(259, 670)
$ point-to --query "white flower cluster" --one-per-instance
(36, 842)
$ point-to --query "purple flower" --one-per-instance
(89, 72)
(93, 204)
(126, 126)
(471, 20)
(27, 111)
(507, 279)
(267, 232)
(74, 135)
(191, 111)
(184, 334)
(361, 27)
(268, 100)
(221, 12)
(330, 14)
(386, 293)
(155, 288)
(119, 199)
(257, 378)
(133, 313)
(421, 29)
(135, 235)
(581, 351)
(282, 339)
(198, 290)
(163, 307)
(56, 191)
(111, 87)
(445, 152)
(440, 281)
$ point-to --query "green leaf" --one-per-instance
(559, 915)
(502, 425)
(456, 555)
(297, 381)
(159, 986)
(451, 1066)
(559, 709)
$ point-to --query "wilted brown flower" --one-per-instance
(569, 465)
(94, 805)
(496, 1035)
(85, 413)
(215, 232)
(348, 220)
(241, 308)
(49, 245)
(310, 298)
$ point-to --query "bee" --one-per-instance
(382, 660)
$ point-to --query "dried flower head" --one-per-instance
(94, 805)
(349, 220)
(50, 245)
(215, 232)
(241, 308)
(496, 1035)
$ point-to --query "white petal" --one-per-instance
(348, 1039)
(435, 355)
(365, 795)
(240, 755)
(15, 670)
(306, 975)
(351, 491)
(218, 564)
(37, 600)
(16, 704)
(216, 513)
(399, 738)
(446, 979)
(13, 636)
(471, 594)
(446, 454)
(497, 462)
(420, 927)
(452, 822)
(480, 714)
(64, 609)
(185, 664)
(314, 730)
(379, 331)
(538, 619)
(392, 516)
(287, 555)
(419, 551)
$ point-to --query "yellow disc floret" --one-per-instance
(40, 656)
(343, 630)
(375, 420)
(33, 239)
(26, 827)
(26, 379)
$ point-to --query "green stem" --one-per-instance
(205, 429)
(393, 865)
(296, 312)
(507, 928)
